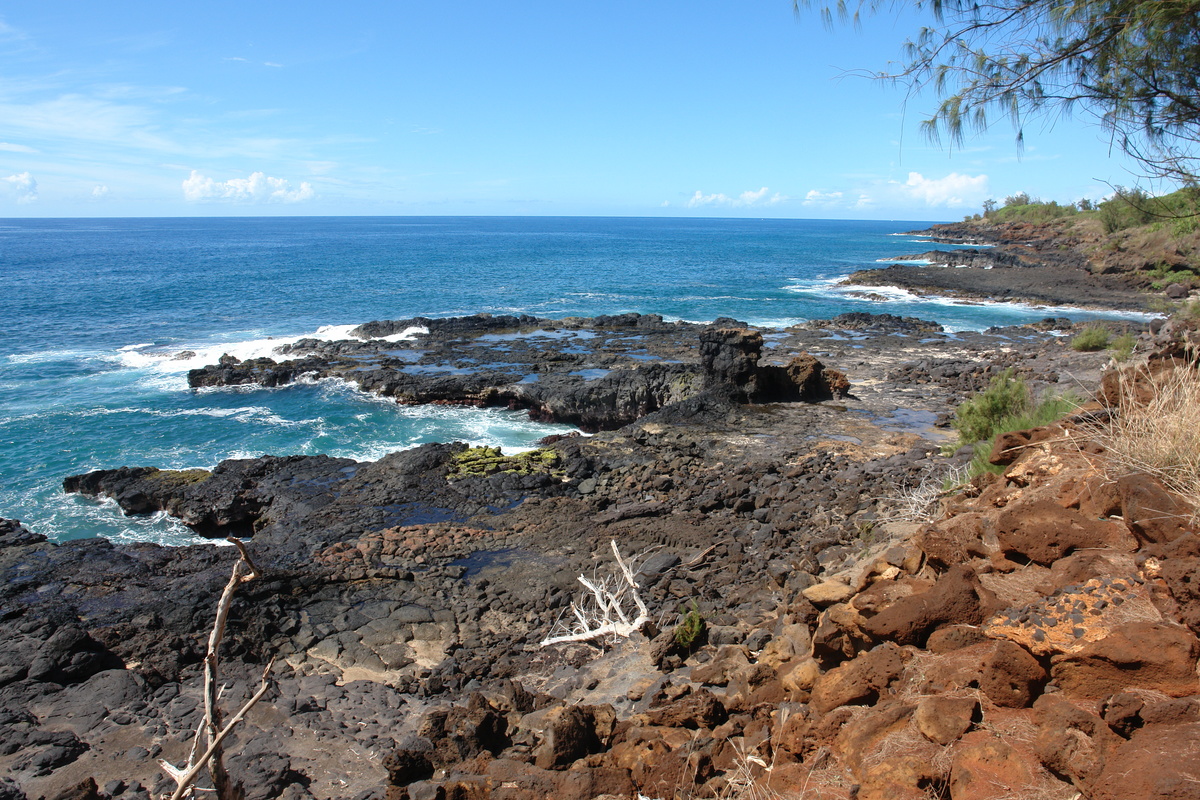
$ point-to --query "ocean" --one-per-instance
(104, 317)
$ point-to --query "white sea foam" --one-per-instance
(47, 356)
(407, 335)
(63, 517)
(916, 262)
(834, 288)
(159, 362)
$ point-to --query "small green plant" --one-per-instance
(976, 419)
(690, 632)
(1006, 405)
(1091, 339)
(1122, 346)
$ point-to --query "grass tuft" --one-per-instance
(1122, 346)
(1091, 339)
(1161, 434)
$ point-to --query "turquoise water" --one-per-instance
(96, 312)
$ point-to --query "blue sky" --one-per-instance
(638, 107)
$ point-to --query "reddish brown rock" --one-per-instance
(1007, 447)
(839, 635)
(1135, 655)
(1152, 513)
(942, 719)
(987, 768)
(954, 637)
(1094, 495)
(506, 779)
(1043, 531)
(861, 681)
(899, 778)
(863, 735)
(956, 598)
(1006, 673)
(1159, 762)
(1070, 741)
(729, 660)
(700, 709)
(572, 733)
(954, 540)
(1010, 676)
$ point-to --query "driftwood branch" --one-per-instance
(605, 609)
(185, 779)
(211, 731)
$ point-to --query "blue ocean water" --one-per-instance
(97, 311)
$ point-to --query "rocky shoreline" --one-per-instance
(759, 478)
(1016, 263)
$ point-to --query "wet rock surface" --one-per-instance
(405, 598)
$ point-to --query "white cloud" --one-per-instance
(99, 191)
(757, 197)
(823, 198)
(953, 191)
(22, 187)
(9, 147)
(74, 117)
(258, 188)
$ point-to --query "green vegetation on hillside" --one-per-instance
(1154, 239)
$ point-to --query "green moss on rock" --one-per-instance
(179, 477)
(484, 461)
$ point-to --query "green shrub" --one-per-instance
(976, 419)
(1045, 411)
(1164, 276)
(690, 633)
(1090, 339)
(1123, 345)
(1005, 405)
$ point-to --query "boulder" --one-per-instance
(860, 681)
(956, 598)
(729, 358)
(699, 709)
(1145, 655)
(1152, 513)
(899, 778)
(828, 592)
(1071, 741)
(1159, 762)
(956, 540)
(1007, 674)
(572, 733)
(985, 767)
(1042, 531)
(867, 733)
(943, 719)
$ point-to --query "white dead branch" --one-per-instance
(611, 606)
(211, 732)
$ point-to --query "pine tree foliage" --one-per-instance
(1132, 64)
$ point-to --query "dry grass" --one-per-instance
(1160, 436)
(923, 502)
